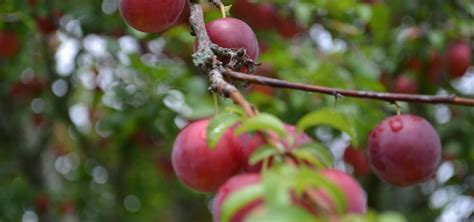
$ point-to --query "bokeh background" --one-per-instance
(89, 107)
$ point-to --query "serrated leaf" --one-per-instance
(238, 199)
(316, 154)
(262, 122)
(262, 153)
(329, 117)
(218, 126)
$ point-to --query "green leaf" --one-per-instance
(283, 214)
(262, 153)
(364, 12)
(391, 217)
(277, 188)
(328, 117)
(238, 199)
(380, 22)
(235, 109)
(375, 217)
(261, 122)
(316, 154)
(218, 126)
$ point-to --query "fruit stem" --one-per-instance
(216, 103)
(398, 107)
(219, 5)
(222, 8)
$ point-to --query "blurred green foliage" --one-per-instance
(90, 110)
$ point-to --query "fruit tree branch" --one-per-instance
(389, 97)
(206, 59)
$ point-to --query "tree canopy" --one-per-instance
(91, 107)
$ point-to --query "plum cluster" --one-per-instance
(454, 62)
(226, 168)
(402, 150)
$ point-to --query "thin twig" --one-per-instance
(389, 97)
(242, 102)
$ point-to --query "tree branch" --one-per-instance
(206, 59)
(388, 97)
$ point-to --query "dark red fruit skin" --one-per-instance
(249, 143)
(151, 15)
(358, 160)
(184, 17)
(233, 33)
(32, 3)
(41, 203)
(289, 28)
(46, 24)
(414, 64)
(405, 85)
(404, 150)
(67, 207)
(234, 184)
(199, 167)
(9, 45)
(49, 23)
(142, 139)
(265, 90)
(266, 16)
(38, 119)
(435, 66)
(458, 58)
(24, 91)
(354, 194)
(385, 79)
(260, 16)
(164, 166)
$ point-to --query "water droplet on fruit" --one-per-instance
(395, 124)
(380, 129)
(415, 118)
